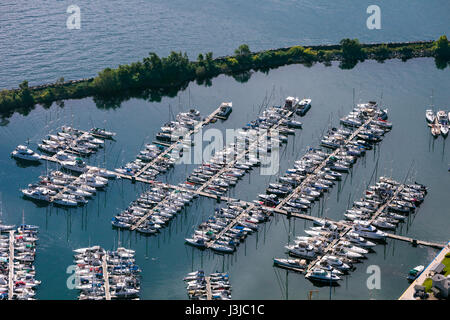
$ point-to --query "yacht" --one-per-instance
(78, 165)
(322, 276)
(23, 153)
(37, 194)
(295, 264)
(102, 133)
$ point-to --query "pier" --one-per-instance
(172, 146)
(348, 227)
(208, 288)
(11, 266)
(426, 273)
(106, 277)
(321, 165)
(230, 225)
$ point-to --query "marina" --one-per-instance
(247, 206)
(215, 286)
(106, 275)
(17, 273)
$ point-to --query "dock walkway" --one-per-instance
(11, 266)
(106, 277)
(208, 288)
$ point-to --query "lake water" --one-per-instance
(35, 45)
(404, 88)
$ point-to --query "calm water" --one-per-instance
(404, 88)
(36, 45)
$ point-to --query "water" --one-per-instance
(405, 88)
(35, 44)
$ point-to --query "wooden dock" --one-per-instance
(178, 143)
(348, 227)
(11, 266)
(230, 225)
(106, 277)
(416, 242)
(208, 288)
(312, 175)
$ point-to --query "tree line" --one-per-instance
(176, 70)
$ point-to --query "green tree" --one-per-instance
(441, 48)
(242, 50)
(351, 49)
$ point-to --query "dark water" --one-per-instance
(36, 45)
(405, 88)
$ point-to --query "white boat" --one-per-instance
(368, 231)
(63, 201)
(295, 264)
(78, 165)
(322, 276)
(37, 194)
(102, 133)
(415, 272)
(430, 116)
(23, 153)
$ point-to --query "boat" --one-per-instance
(415, 272)
(37, 194)
(430, 116)
(225, 110)
(294, 264)
(196, 242)
(321, 275)
(442, 119)
(23, 153)
(303, 106)
(78, 165)
(102, 133)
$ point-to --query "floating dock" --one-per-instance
(106, 277)
(11, 266)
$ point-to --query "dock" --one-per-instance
(416, 242)
(106, 277)
(230, 225)
(11, 266)
(177, 143)
(426, 273)
(348, 227)
(321, 165)
(208, 288)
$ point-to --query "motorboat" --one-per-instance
(415, 272)
(294, 264)
(102, 133)
(323, 276)
(78, 165)
(23, 153)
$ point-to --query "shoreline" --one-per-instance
(154, 77)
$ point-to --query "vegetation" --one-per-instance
(428, 283)
(154, 76)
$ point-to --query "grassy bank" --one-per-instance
(154, 76)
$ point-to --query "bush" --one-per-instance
(351, 49)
